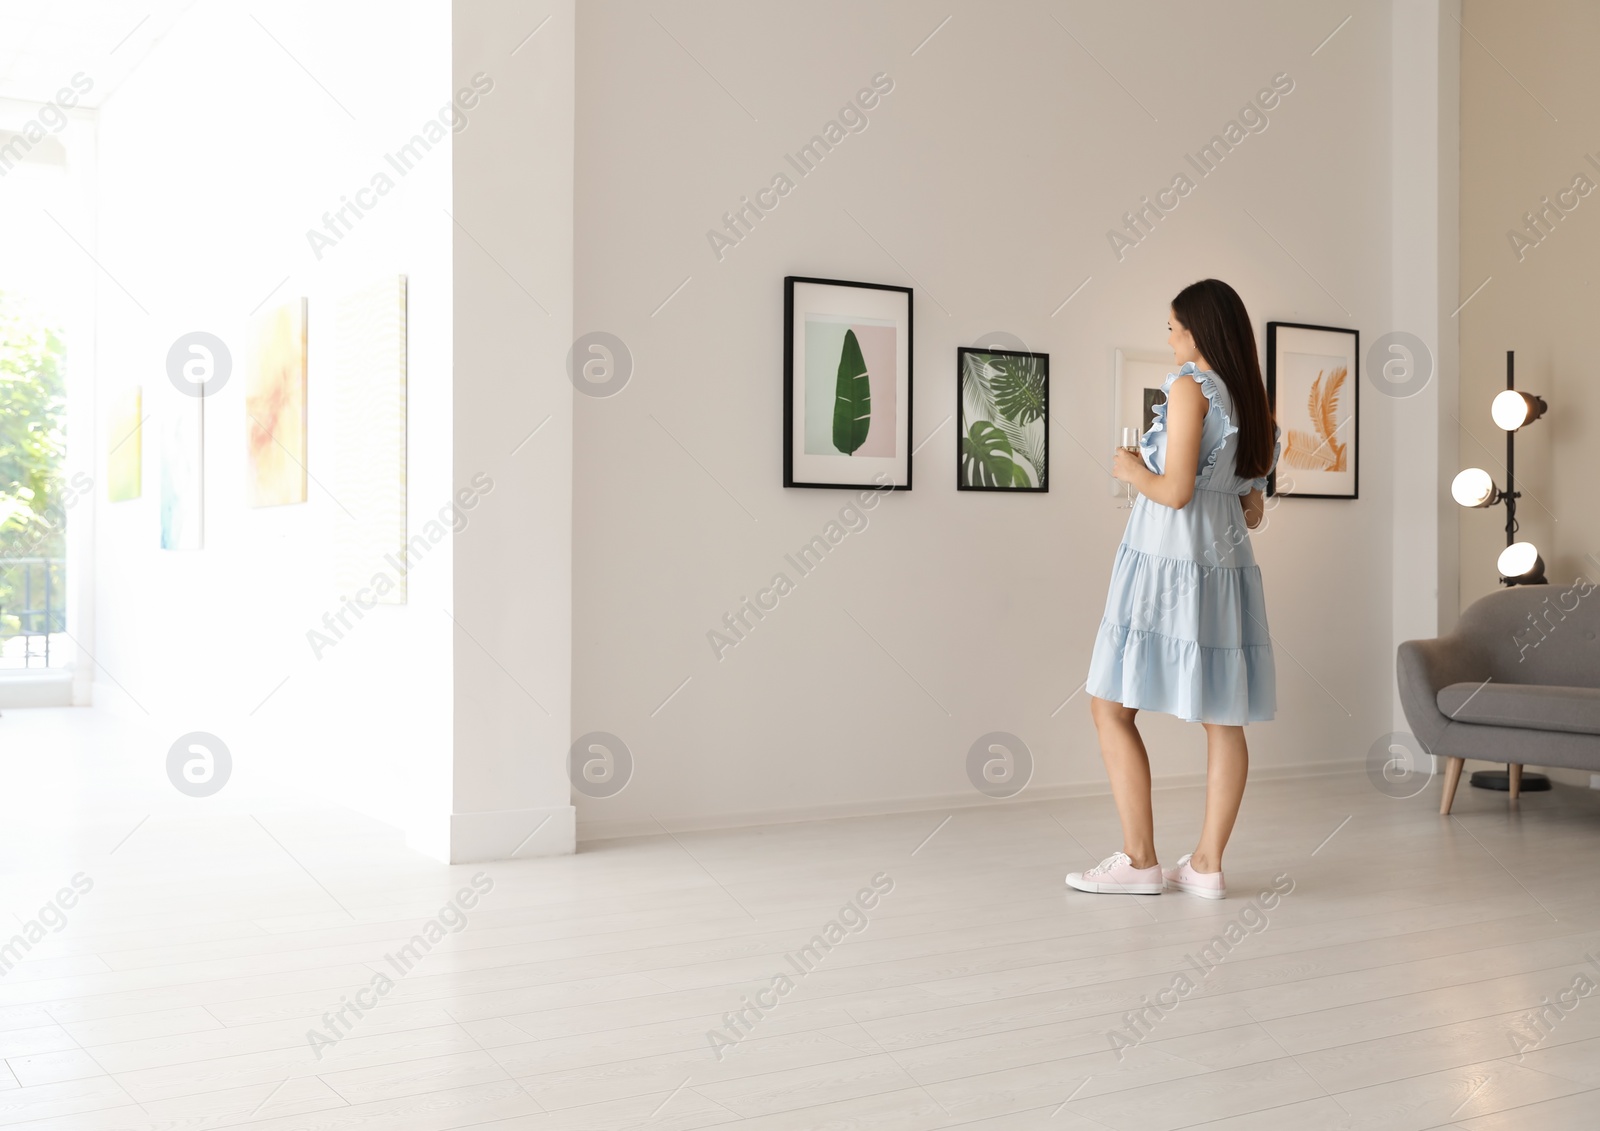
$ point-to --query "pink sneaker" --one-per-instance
(1116, 875)
(1207, 885)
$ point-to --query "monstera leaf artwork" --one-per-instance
(1004, 400)
(852, 403)
(986, 458)
(1019, 390)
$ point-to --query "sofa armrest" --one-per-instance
(1424, 667)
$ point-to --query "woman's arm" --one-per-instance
(1254, 507)
(1186, 417)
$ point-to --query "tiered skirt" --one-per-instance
(1185, 625)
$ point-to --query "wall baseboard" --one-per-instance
(593, 830)
(47, 688)
(506, 834)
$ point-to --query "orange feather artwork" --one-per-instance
(275, 408)
(1320, 449)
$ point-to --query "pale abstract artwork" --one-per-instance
(125, 446)
(182, 478)
(368, 391)
(275, 408)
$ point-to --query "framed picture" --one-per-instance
(1002, 420)
(1138, 376)
(125, 446)
(182, 472)
(846, 384)
(1313, 385)
(275, 408)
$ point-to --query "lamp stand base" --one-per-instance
(1501, 780)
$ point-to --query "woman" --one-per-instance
(1185, 626)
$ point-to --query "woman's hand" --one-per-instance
(1126, 465)
(1254, 506)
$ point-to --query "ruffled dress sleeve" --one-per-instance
(1217, 428)
(1216, 404)
(1149, 446)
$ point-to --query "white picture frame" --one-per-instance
(1134, 373)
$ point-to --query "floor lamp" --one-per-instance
(1519, 563)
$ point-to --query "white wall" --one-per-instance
(512, 596)
(987, 181)
(242, 128)
(1521, 143)
(1424, 265)
(1524, 136)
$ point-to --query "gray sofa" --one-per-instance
(1517, 682)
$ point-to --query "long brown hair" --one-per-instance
(1214, 315)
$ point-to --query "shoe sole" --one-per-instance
(1203, 893)
(1095, 888)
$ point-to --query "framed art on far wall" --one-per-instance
(125, 446)
(275, 408)
(1313, 385)
(183, 481)
(1139, 375)
(1002, 420)
(846, 384)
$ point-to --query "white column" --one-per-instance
(1424, 146)
(513, 225)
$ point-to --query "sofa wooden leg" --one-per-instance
(1452, 778)
(1515, 775)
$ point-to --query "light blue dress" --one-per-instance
(1185, 624)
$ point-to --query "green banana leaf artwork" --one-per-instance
(850, 396)
(847, 372)
(1004, 441)
(852, 403)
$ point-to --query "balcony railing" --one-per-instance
(32, 609)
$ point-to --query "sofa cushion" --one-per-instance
(1573, 710)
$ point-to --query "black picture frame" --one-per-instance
(1274, 339)
(903, 454)
(962, 352)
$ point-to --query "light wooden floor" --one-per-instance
(1382, 992)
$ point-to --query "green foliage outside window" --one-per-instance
(33, 497)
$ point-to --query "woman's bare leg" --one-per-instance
(1227, 766)
(1128, 767)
